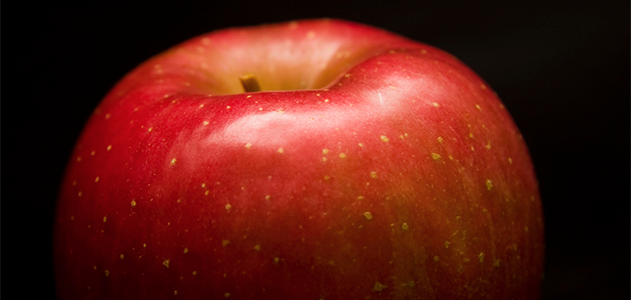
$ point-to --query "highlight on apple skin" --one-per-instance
(315, 159)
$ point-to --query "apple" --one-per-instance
(315, 159)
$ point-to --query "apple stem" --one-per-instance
(249, 83)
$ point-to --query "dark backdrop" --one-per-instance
(561, 68)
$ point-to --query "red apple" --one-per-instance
(369, 166)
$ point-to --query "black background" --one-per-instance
(561, 68)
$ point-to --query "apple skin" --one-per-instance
(370, 167)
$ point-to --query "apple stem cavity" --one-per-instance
(249, 83)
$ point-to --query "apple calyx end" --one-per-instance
(249, 83)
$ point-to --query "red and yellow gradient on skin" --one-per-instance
(370, 167)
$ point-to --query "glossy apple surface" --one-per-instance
(369, 167)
